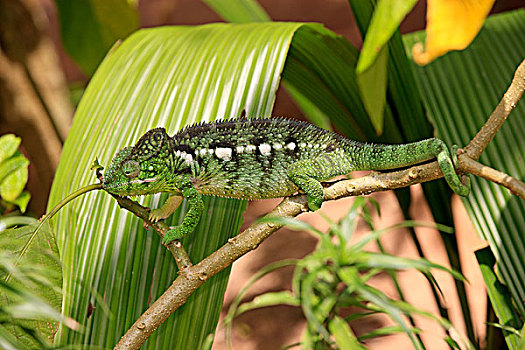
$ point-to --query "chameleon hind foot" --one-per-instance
(312, 188)
(175, 233)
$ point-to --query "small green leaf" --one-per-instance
(385, 261)
(8, 145)
(269, 299)
(372, 85)
(385, 331)
(22, 201)
(11, 164)
(343, 335)
(13, 185)
(499, 296)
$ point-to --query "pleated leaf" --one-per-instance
(459, 91)
(172, 76)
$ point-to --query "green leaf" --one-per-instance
(499, 296)
(239, 11)
(15, 220)
(389, 307)
(32, 297)
(90, 28)
(380, 332)
(22, 201)
(387, 16)
(269, 299)
(385, 261)
(171, 77)
(372, 85)
(459, 91)
(12, 164)
(343, 335)
(13, 184)
(8, 145)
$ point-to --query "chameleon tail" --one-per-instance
(381, 157)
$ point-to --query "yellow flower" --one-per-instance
(451, 25)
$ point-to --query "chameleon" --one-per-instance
(254, 159)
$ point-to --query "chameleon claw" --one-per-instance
(314, 204)
(157, 214)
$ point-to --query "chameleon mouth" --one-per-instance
(137, 181)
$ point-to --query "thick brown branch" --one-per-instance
(193, 277)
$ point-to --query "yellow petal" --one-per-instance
(451, 25)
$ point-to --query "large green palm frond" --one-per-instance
(171, 77)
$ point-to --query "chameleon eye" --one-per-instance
(131, 169)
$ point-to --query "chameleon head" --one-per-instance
(140, 169)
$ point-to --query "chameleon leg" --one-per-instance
(193, 215)
(168, 208)
(305, 174)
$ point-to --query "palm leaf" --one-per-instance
(168, 76)
(459, 91)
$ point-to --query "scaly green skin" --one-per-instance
(254, 159)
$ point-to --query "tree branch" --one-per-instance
(177, 250)
(194, 276)
(475, 168)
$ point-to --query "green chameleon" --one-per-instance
(254, 159)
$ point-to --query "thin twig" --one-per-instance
(194, 276)
(470, 166)
(499, 115)
(177, 250)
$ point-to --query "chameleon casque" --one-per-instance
(254, 159)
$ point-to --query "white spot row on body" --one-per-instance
(225, 153)
(265, 149)
(186, 157)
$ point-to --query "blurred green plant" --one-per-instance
(30, 301)
(334, 278)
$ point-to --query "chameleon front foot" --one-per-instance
(171, 204)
